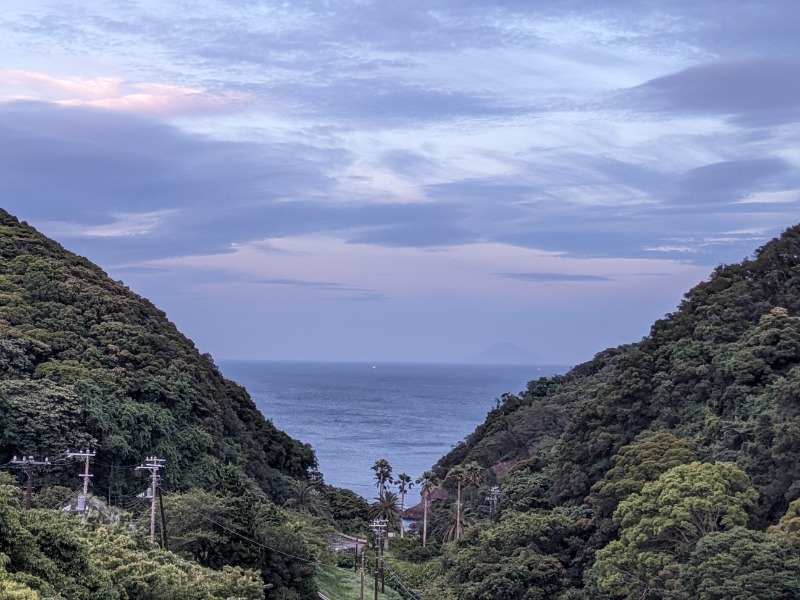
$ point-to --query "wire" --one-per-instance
(400, 582)
(133, 494)
(102, 464)
(129, 506)
(252, 541)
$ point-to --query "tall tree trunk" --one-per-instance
(402, 510)
(458, 512)
(424, 520)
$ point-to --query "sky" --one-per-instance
(404, 181)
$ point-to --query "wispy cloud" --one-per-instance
(448, 162)
(753, 92)
(550, 277)
(114, 93)
(122, 225)
(341, 291)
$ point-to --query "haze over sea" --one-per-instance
(353, 414)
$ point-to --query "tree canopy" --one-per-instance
(85, 362)
(663, 445)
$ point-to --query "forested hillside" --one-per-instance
(85, 362)
(655, 469)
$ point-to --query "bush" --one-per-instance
(345, 560)
(410, 549)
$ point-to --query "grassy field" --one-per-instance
(342, 584)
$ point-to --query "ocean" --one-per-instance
(353, 414)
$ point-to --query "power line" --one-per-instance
(152, 464)
(399, 581)
(244, 537)
(252, 541)
(132, 466)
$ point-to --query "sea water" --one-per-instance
(353, 414)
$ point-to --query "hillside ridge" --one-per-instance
(85, 362)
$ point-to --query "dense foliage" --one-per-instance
(49, 554)
(654, 470)
(84, 362)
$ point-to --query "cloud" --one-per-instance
(407, 163)
(311, 264)
(114, 93)
(505, 189)
(390, 102)
(276, 161)
(420, 236)
(88, 167)
(121, 185)
(670, 249)
(356, 292)
(552, 277)
(123, 225)
(753, 92)
(730, 181)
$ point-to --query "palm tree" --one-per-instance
(472, 473)
(461, 519)
(306, 496)
(386, 507)
(429, 482)
(404, 484)
(459, 475)
(383, 475)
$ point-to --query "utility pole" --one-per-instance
(376, 574)
(29, 463)
(153, 465)
(361, 596)
(494, 499)
(83, 501)
(380, 527)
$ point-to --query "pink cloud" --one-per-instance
(114, 93)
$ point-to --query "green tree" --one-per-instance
(461, 475)
(458, 475)
(386, 507)
(474, 473)
(305, 496)
(242, 528)
(788, 527)
(50, 554)
(383, 474)
(634, 466)
(739, 563)
(195, 530)
(429, 482)
(660, 525)
(525, 487)
(525, 555)
(404, 484)
(349, 510)
(42, 417)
